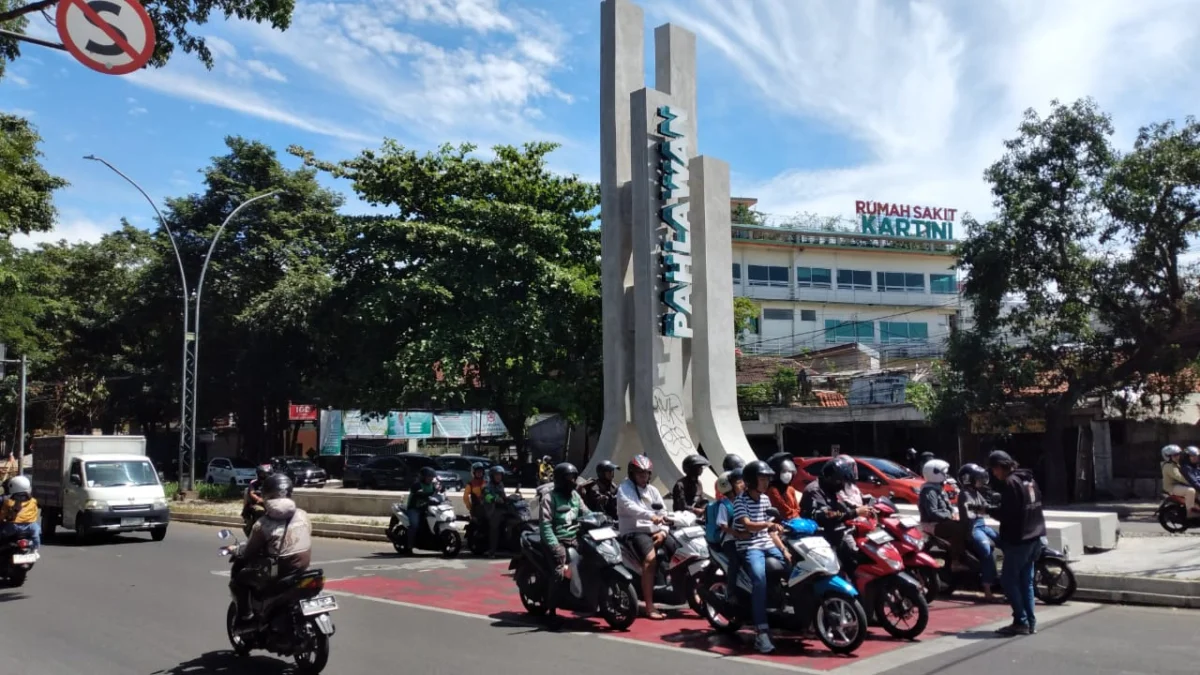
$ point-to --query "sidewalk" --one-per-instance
(1126, 509)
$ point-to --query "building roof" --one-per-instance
(830, 399)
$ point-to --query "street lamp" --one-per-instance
(191, 334)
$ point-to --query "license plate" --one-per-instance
(318, 605)
(132, 522)
(879, 537)
(24, 558)
(909, 521)
(602, 533)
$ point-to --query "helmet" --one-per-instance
(837, 471)
(911, 453)
(936, 471)
(478, 467)
(725, 483)
(1170, 451)
(496, 470)
(277, 485)
(263, 470)
(785, 469)
(565, 475)
(18, 484)
(732, 462)
(640, 463)
(972, 474)
(925, 457)
(849, 462)
(735, 475)
(1000, 458)
(694, 463)
(753, 470)
(1192, 451)
(605, 467)
(428, 473)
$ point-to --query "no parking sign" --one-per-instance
(114, 37)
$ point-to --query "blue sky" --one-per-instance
(814, 103)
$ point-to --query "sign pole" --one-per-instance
(21, 413)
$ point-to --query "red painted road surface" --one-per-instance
(488, 590)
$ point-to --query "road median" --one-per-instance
(320, 529)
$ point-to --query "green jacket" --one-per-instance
(493, 493)
(556, 525)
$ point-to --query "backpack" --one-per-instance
(711, 532)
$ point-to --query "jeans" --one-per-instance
(31, 530)
(1017, 578)
(414, 524)
(983, 538)
(756, 561)
(729, 548)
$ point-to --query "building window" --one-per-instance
(900, 281)
(778, 315)
(943, 284)
(899, 331)
(808, 315)
(737, 274)
(764, 275)
(814, 277)
(853, 280)
(849, 331)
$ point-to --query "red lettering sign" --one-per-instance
(302, 413)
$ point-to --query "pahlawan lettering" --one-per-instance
(674, 225)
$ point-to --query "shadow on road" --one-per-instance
(12, 595)
(228, 663)
(70, 539)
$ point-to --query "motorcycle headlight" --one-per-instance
(95, 505)
(917, 541)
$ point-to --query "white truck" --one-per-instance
(98, 485)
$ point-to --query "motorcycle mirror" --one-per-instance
(224, 552)
(657, 507)
(224, 534)
(772, 513)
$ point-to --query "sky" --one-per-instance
(813, 103)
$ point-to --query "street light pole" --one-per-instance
(21, 415)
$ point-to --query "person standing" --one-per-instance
(1022, 526)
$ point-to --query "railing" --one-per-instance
(840, 239)
(887, 351)
(845, 296)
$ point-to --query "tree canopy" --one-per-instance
(26, 188)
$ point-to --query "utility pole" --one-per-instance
(22, 397)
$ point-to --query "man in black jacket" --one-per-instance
(820, 503)
(1022, 526)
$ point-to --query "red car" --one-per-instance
(877, 477)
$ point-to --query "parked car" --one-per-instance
(302, 471)
(877, 477)
(352, 469)
(397, 472)
(461, 465)
(230, 471)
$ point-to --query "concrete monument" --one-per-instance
(669, 376)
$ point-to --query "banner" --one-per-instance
(302, 413)
(454, 425)
(330, 432)
(490, 424)
(358, 423)
(416, 424)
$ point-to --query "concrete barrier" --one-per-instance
(375, 502)
(1066, 537)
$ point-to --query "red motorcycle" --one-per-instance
(894, 597)
(910, 543)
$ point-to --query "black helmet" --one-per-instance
(262, 471)
(565, 475)
(753, 470)
(972, 474)
(428, 473)
(735, 474)
(694, 463)
(777, 460)
(1000, 458)
(605, 466)
(478, 467)
(277, 485)
(837, 471)
(732, 462)
(496, 470)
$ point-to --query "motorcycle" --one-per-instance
(437, 531)
(17, 557)
(909, 541)
(1053, 579)
(681, 561)
(1173, 516)
(291, 616)
(517, 518)
(895, 596)
(811, 595)
(595, 579)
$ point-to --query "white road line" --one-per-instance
(713, 655)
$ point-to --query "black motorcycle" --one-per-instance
(596, 580)
(17, 557)
(1053, 579)
(516, 519)
(291, 617)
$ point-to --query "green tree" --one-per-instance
(1077, 285)
(784, 385)
(175, 23)
(744, 215)
(745, 313)
(26, 188)
(479, 288)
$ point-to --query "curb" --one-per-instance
(347, 531)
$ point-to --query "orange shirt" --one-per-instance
(785, 500)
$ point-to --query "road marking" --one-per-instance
(714, 655)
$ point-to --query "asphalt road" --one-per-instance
(134, 607)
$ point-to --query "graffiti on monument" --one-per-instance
(672, 424)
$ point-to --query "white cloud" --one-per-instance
(138, 110)
(16, 79)
(929, 89)
(259, 68)
(72, 227)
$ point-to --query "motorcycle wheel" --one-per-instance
(930, 582)
(1053, 581)
(903, 600)
(399, 537)
(718, 589)
(841, 623)
(240, 647)
(314, 660)
(692, 589)
(451, 543)
(531, 589)
(16, 577)
(619, 603)
(1172, 518)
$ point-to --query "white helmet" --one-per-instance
(725, 483)
(936, 471)
(18, 484)
(1191, 451)
(1170, 451)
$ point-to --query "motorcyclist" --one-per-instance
(636, 499)
(687, 495)
(973, 505)
(560, 509)
(493, 501)
(601, 494)
(425, 487)
(850, 494)
(253, 500)
(1190, 467)
(732, 462)
(820, 503)
(781, 493)
(473, 492)
(545, 470)
(1173, 480)
(283, 535)
(938, 516)
(19, 512)
(925, 458)
(718, 519)
(760, 540)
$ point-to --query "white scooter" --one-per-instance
(438, 530)
(682, 559)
